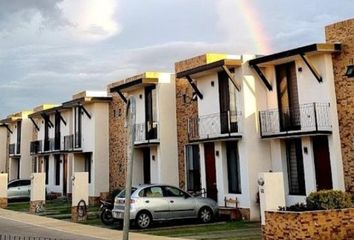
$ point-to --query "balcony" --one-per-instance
(12, 149)
(311, 118)
(214, 126)
(146, 133)
(69, 142)
(36, 147)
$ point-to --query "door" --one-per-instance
(181, 204)
(288, 100)
(155, 202)
(150, 112)
(322, 163)
(65, 174)
(209, 151)
(147, 165)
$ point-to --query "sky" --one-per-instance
(51, 49)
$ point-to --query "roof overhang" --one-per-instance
(48, 111)
(135, 82)
(85, 100)
(209, 68)
(289, 55)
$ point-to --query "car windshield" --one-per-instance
(122, 193)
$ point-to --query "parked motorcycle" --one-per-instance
(106, 213)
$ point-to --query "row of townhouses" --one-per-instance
(209, 128)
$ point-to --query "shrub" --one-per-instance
(328, 199)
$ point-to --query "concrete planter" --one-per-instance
(326, 224)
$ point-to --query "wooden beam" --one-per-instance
(46, 118)
(121, 95)
(232, 78)
(34, 123)
(311, 67)
(61, 117)
(195, 88)
(85, 111)
(262, 77)
(8, 128)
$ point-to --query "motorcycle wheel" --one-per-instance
(107, 217)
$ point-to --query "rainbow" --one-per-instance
(255, 26)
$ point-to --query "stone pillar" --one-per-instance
(80, 196)
(271, 192)
(3, 190)
(37, 203)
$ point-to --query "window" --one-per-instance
(193, 168)
(34, 165)
(174, 192)
(295, 167)
(88, 166)
(77, 126)
(57, 170)
(233, 167)
(151, 192)
(46, 165)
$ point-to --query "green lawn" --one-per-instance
(219, 230)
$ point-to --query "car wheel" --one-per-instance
(143, 220)
(205, 215)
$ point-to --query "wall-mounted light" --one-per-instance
(194, 96)
(153, 157)
(141, 96)
(217, 153)
(212, 83)
(299, 69)
(306, 150)
(350, 71)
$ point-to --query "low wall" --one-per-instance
(328, 224)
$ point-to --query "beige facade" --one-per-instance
(343, 32)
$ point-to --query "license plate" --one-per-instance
(119, 215)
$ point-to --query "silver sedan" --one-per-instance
(162, 202)
(19, 188)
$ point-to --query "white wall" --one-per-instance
(167, 155)
(26, 138)
(3, 149)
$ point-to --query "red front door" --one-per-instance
(209, 151)
(322, 163)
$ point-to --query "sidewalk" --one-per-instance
(73, 228)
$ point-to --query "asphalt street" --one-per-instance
(14, 228)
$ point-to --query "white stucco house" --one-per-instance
(155, 144)
(259, 114)
(19, 160)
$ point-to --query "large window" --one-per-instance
(193, 168)
(233, 167)
(295, 167)
(88, 166)
(57, 170)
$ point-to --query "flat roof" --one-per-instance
(315, 48)
(85, 100)
(205, 63)
(146, 78)
(16, 116)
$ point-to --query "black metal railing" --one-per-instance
(49, 145)
(310, 117)
(36, 147)
(69, 142)
(214, 125)
(12, 148)
(145, 131)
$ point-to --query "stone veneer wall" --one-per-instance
(117, 143)
(330, 224)
(344, 32)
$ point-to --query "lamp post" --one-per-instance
(130, 125)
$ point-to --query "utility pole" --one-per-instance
(130, 125)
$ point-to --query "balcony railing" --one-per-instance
(12, 149)
(77, 140)
(18, 148)
(307, 118)
(145, 132)
(36, 147)
(217, 125)
(69, 142)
